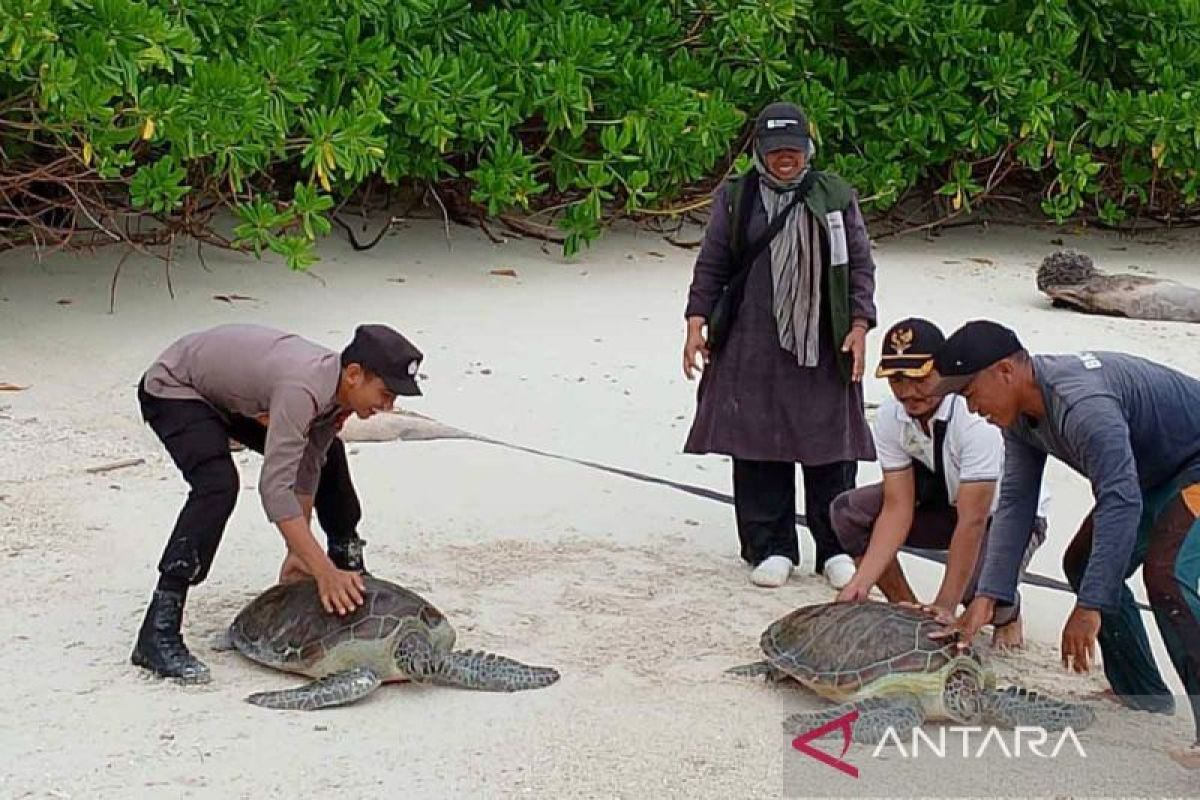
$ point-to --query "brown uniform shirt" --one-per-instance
(253, 370)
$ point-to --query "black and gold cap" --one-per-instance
(909, 347)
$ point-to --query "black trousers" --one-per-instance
(764, 497)
(197, 439)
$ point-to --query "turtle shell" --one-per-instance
(838, 648)
(288, 628)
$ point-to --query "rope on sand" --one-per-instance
(441, 431)
(1031, 578)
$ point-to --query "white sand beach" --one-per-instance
(634, 591)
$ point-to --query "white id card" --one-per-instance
(838, 253)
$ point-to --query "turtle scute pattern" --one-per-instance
(841, 647)
(289, 628)
(880, 660)
(396, 635)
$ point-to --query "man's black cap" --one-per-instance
(389, 355)
(909, 347)
(781, 125)
(971, 349)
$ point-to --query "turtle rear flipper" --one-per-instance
(1015, 707)
(758, 669)
(876, 716)
(221, 641)
(336, 689)
(488, 672)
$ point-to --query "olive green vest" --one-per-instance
(828, 193)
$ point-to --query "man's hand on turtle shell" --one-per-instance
(942, 615)
(340, 591)
(978, 614)
(854, 593)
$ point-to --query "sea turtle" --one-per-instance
(878, 659)
(395, 635)
(1071, 280)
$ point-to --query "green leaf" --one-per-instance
(297, 251)
(158, 187)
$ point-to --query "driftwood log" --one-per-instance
(1071, 280)
(404, 426)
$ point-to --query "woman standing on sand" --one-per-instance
(781, 379)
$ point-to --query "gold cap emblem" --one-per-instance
(901, 340)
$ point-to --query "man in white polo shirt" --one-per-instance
(941, 471)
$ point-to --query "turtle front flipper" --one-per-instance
(1015, 707)
(876, 716)
(336, 689)
(488, 672)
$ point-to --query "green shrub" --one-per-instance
(281, 110)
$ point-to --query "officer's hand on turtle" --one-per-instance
(340, 591)
(293, 569)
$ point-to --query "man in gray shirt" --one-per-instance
(1132, 428)
(285, 397)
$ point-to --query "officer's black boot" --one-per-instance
(160, 646)
(347, 554)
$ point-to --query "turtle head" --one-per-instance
(415, 655)
(1065, 268)
(963, 695)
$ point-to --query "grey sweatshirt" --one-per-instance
(1127, 425)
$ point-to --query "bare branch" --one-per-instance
(445, 213)
(112, 291)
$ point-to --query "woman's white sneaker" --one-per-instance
(839, 570)
(773, 572)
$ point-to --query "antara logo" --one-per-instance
(1034, 740)
(845, 724)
